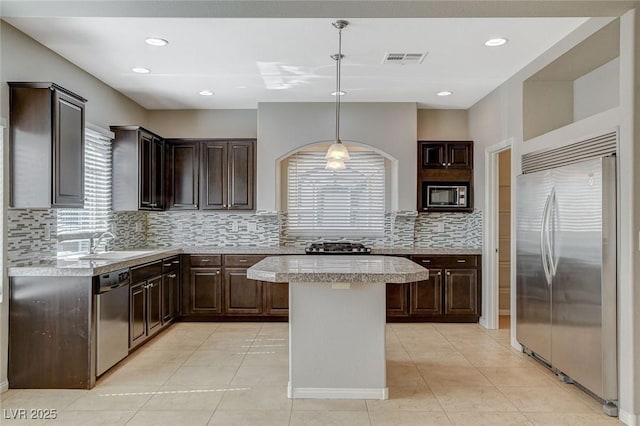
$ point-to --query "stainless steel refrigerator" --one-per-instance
(566, 271)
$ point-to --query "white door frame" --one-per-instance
(490, 301)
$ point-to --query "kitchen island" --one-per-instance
(337, 318)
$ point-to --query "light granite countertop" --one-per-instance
(79, 267)
(337, 269)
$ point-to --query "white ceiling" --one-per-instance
(246, 61)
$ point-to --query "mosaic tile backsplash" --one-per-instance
(27, 243)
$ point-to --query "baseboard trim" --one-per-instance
(627, 418)
(4, 386)
(339, 393)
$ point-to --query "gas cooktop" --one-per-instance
(337, 248)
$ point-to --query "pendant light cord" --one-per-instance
(338, 95)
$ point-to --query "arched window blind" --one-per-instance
(336, 203)
(96, 214)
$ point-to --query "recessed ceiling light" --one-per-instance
(241, 87)
(444, 93)
(341, 93)
(141, 70)
(154, 41)
(206, 93)
(493, 42)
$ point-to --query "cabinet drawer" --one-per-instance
(247, 260)
(170, 264)
(144, 272)
(446, 261)
(206, 260)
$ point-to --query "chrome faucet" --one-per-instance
(93, 244)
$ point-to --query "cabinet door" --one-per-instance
(169, 296)
(397, 296)
(461, 292)
(459, 155)
(205, 290)
(154, 305)
(157, 175)
(426, 296)
(241, 294)
(137, 314)
(68, 151)
(433, 155)
(276, 300)
(183, 168)
(145, 180)
(214, 176)
(241, 180)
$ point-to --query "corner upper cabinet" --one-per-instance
(138, 169)
(47, 146)
(228, 175)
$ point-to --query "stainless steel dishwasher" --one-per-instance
(112, 335)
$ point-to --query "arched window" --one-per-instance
(335, 203)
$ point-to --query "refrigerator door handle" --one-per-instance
(543, 240)
(551, 240)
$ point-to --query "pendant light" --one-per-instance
(337, 153)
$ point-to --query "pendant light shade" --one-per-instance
(338, 153)
(335, 165)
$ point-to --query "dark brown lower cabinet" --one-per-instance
(451, 294)
(397, 300)
(205, 287)
(170, 296)
(276, 298)
(145, 310)
(241, 295)
(224, 291)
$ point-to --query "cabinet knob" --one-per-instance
(444, 164)
(217, 272)
(448, 164)
(166, 264)
(175, 262)
(426, 261)
(439, 273)
(461, 261)
(172, 275)
(153, 205)
(224, 206)
(448, 273)
(205, 260)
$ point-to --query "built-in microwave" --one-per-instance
(449, 195)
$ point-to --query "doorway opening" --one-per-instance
(504, 238)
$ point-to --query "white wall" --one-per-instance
(24, 59)
(285, 127)
(597, 91)
(218, 123)
(498, 117)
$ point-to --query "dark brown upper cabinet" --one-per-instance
(228, 175)
(47, 146)
(446, 155)
(183, 166)
(138, 169)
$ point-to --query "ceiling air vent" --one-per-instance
(404, 58)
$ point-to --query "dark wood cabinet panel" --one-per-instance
(137, 314)
(46, 138)
(460, 155)
(138, 157)
(241, 294)
(433, 155)
(426, 296)
(68, 155)
(215, 175)
(170, 296)
(241, 181)
(461, 296)
(205, 290)
(154, 305)
(397, 300)
(183, 166)
(276, 298)
(445, 154)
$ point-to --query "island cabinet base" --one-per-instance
(337, 341)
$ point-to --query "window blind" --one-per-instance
(336, 203)
(96, 214)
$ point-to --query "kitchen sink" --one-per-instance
(116, 255)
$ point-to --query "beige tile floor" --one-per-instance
(236, 374)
